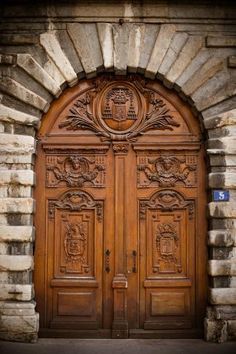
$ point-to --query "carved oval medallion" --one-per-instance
(119, 107)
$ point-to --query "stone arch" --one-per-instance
(38, 70)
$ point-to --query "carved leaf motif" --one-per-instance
(81, 116)
(76, 201)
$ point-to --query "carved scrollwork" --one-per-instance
(76, 201)
(167, 171)
(121, 116)
(167, 200)
(75, 171)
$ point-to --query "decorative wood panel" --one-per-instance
(166, 170)
(74, 248)
(75, 170)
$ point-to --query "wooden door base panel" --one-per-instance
(166, 334)
(62, 333)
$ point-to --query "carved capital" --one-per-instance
(120, 148)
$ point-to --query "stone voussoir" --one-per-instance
(52, 46)
(31, 66)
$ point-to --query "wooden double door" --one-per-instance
(120, 218)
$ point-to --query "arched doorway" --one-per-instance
(121, 221)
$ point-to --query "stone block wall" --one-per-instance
(43, 50)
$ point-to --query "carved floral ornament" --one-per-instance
(119, 110)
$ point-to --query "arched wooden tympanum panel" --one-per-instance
(121, 224)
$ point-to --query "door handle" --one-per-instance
(134, 255)
(107, 260)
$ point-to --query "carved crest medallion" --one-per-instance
(75, 241)
(118, 107)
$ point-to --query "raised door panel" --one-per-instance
(167, 236)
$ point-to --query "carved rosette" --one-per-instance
(75, 171)
(166, 200)
(76, 201)
(119, 110)
(166, 171)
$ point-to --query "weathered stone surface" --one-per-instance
(68, 48)
(222, 180)
(15, 191)
(160, 48)
(221, 132)
(226, 143)
(18, 39)
(221, 120)
(221, 107)
(222, 296)
(121, 45)
(222, 238)
(222, 209)
(215, 331)
(12, 115)
(23, 177)
(105, 34)
(222, 267)
(206, 72)
(13, 308)
(223, 160)
(17, 205)
(50, 43)
(232, 329)
(85, 39)
(31, 337)
(31, 66)
(221, 41)
(232, 61)
(7, 59)
(51, 68)
(188, 52)
(225, 312)
(15, 263)
(16, 292)
(19, 324)
(147, 43)
(223, 253)
(14, 88)
(226, 90)
(17, 144)
(176, 45)
(135, 42)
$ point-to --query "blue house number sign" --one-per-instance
(220, 196)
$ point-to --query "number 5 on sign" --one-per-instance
(220, 196)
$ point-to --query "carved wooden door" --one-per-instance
(120, 244)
